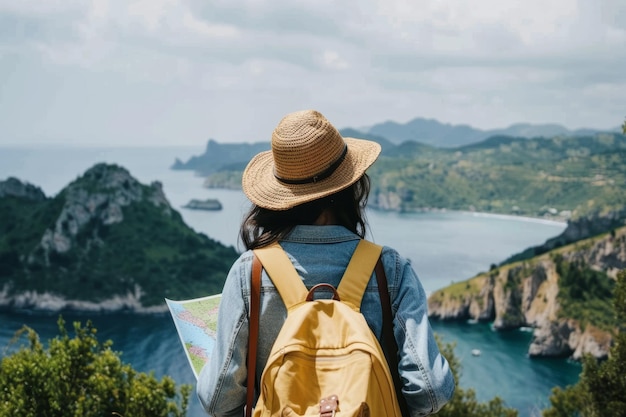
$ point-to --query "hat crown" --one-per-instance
(305, 144)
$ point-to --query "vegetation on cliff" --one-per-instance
(105, 237)
(600, 390)
(585, 294)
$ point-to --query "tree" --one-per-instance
(600, 390)
(464, 403)
(81, 377)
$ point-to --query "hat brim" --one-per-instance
(263, 189)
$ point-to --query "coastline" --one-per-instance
(36, 302)
(531, 219)
(555, 221)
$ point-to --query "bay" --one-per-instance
(503, 368)
(443, 246)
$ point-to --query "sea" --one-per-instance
(443, 246)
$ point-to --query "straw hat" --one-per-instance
(309, 160)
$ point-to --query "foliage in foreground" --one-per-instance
(81, 377)
(601, 390)
(464, 402)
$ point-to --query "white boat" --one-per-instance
(476, 352)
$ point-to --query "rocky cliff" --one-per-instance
(105, 243)
(532, 293)
(99, 196)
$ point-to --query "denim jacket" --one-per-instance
(321, 254)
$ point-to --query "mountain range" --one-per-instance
(391, 135)
(445, 135)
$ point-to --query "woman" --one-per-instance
(309, 193)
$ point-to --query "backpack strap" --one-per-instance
(358, 273)
(253, 331)
(388, 337)
(283, 274)
(293, 291)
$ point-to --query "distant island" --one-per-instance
(209, 204)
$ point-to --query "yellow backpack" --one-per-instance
(325, 361)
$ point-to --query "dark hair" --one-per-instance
(261, 226)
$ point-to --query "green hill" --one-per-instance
(105, 242)
(534, 177)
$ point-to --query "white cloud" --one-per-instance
(333, 60)
(48, 7)
(200, 64)
(151, 13)
(208, 30)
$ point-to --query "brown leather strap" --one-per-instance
(253, 331)
(388, 337)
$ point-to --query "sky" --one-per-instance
(179, 72)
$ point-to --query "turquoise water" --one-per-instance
(503, 368)
(443, 247)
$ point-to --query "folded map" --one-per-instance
(196, 322)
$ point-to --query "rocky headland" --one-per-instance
(105, 243)
(530, 293)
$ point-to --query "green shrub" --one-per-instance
(81, 377)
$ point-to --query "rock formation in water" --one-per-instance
(526, 293)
